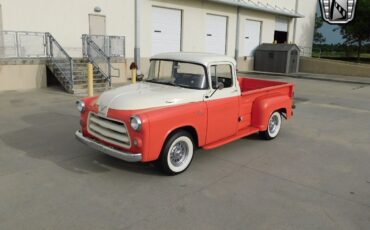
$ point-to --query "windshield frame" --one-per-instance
(181, 61)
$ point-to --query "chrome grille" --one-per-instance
(109, 130)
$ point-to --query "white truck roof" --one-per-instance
(200, 58)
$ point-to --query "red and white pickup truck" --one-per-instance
(187, 101)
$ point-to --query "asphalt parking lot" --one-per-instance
(315, 175)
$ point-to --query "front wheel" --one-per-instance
(273, 128)
(177, 153)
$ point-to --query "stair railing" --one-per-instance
(100, 59)
(60, 59)
(112, 46)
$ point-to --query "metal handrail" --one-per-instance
(68, 60)
(108, 46)
(18, 44)
(91, 47)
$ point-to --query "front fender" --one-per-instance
(263, 107)
(164, 121)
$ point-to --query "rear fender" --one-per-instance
(264, 106)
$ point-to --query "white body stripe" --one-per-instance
(147, 95)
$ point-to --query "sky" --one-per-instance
(327, 31)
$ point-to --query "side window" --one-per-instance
(222, 73)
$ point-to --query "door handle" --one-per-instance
(209, 35)
(246, 37)
(157, 31)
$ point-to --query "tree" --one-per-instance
(318, 37)
(358, 30)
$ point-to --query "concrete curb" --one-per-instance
(321, 77)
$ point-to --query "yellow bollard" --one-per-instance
(133, 76)
(90, 80)
(133, 68)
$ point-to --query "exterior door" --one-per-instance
(166, 30)
(97, 24)
(223, 105)
(216, 30)
(252, 36)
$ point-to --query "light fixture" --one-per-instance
(97, 9)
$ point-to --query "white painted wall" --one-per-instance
(68, 19)
(267, 28)
(194, 13)
(305, 26)
(1, 18)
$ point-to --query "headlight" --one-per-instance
(80, 105)
(135, 123)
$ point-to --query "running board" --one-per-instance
(241, 133)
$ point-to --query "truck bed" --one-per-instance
(248, 85)
(252, 89)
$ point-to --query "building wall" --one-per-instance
(67, 20)
(267, 34)
(26, 76)
(305, 26)
(193, 25)
(1, 28)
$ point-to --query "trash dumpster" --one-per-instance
(278, 58)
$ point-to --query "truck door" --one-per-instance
(223, 105)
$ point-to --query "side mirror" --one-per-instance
(220, 86)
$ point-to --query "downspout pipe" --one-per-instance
(237, 35)
(137, 34)
(295, 23)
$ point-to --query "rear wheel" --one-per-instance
(177, 153)
(273, 127)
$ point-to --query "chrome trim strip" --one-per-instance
(130, 157)
(108, 138)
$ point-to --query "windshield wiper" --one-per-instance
(163, 83)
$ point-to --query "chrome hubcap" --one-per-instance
(273, 124)
(179, 153)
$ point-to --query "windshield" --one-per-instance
(177, 73)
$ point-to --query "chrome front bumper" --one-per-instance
(130, 157)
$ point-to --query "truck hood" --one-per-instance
(146, 95)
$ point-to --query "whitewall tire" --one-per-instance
(177, 153)
(273, 126)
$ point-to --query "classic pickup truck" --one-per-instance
(187, 101)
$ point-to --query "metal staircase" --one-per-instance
(79, 84)
(72, 73)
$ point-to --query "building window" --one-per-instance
(281, 30)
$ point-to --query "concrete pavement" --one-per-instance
(315, 175)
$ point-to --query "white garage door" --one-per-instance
(166, 34)
(215, 34)
(252, 36)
